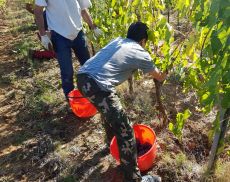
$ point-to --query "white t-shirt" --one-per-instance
(64, 16)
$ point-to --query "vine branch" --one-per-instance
(160, 106)
(205, 38)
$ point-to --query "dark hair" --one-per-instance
(138, 31)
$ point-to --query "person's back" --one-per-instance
(116, 62)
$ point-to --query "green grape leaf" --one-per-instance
(226, 77)
(151, 35)
(198, 16)
(187, 114)
(215, 42)
(225, 103)
(113, 3)
(207, 98)
(171, 127)
(135, 2)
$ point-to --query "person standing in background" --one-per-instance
(64, 20)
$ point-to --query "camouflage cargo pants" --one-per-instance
(116, 122)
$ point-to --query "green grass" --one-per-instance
(21, 137)
(7, 79)
(2, 4)
(69, 178)
(22, 47)
(222, 171)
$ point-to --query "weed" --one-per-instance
(6, 79)
(180, 159)
(222, 171)
(69, 178)
(21, 137)
(22, 47)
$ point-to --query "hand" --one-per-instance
(97, 32)
(46, 42)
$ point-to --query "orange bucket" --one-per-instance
(144, 134)
(80, 105)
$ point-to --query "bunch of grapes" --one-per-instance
(142, 148)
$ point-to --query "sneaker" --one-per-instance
(150, 178)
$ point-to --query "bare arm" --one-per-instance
(29, 8)
(38, 12)
(87, 18)
(158, 75)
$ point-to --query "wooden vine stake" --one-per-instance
(160, 106)
(218, 139)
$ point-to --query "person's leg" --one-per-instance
(62, 47)
(108, 104)
(79, 45)
(116, 117)
(108, 130)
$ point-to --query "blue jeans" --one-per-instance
(45, 20)
(63, 47)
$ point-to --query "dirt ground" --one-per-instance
(41, 140)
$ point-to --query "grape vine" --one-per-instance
(198, 42)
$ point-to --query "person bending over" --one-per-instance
(97, 80)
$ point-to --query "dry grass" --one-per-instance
(40, 140)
